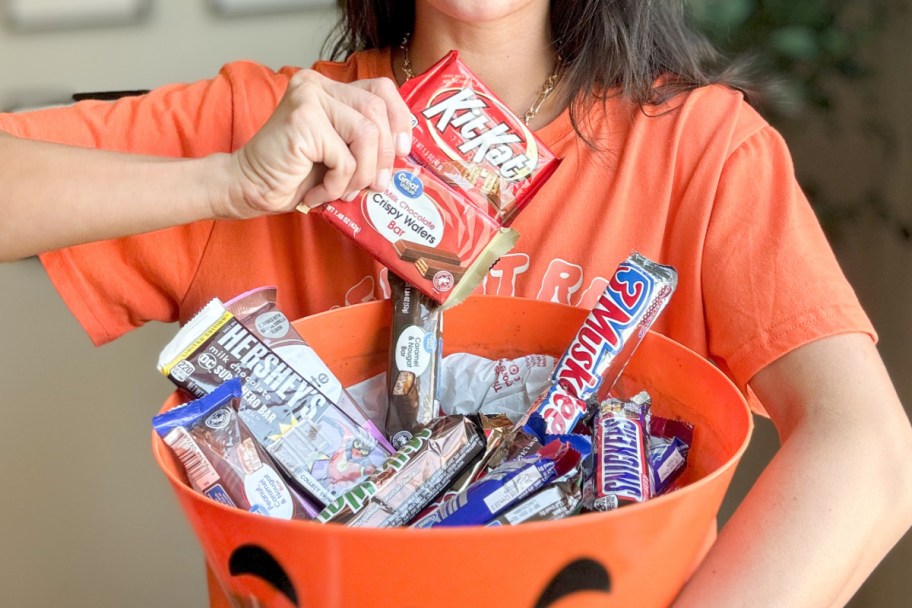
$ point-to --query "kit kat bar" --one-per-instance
(429, 268)
(411, 252)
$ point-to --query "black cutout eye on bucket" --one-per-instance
(253, 560)
(580, 575)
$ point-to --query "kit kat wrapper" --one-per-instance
(416, 342)
(258, 311)
(468, 137)
(412, 477)
(323, 451)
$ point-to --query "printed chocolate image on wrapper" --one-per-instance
(222, 460)
(416, 344)
(319, 448)
(431, 235)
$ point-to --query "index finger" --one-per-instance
(400, 118)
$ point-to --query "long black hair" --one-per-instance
(643, 50)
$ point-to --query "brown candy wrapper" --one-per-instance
(414, 359)
(412, 477)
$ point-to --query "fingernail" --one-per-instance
(350, 196)
(383, 179)
(403, 144)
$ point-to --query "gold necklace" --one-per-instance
(543, 94)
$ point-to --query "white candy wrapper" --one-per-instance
(469, 384)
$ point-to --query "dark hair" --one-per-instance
(608, 47)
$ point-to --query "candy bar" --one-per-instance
(621, 473)
(504, 486)
(412, 477)
(559, 499)
(320, 448)
(420, 209)
(497, 432)
(414, 360)
(473, 141)
(223, 461)
(667, 448)
(634, 297)
(258, 312)
(411, 252)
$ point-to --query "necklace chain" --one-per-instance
(543, 94)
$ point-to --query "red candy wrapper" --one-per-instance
(471, 139)
(443, 221)
(431, 235)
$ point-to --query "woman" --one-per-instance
(653, 161)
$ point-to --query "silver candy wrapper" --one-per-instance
(412, 477)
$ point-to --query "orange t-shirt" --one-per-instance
(705, 185)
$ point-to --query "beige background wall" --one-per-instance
(87, 520)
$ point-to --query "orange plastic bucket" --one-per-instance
(640, 555)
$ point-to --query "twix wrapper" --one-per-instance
(636, 294)
(471, 139)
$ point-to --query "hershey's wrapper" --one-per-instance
(473, 141)
(412, 477)
(258, 312)
(634, 297)
(319, 448)
(222, 460)
(416, 342)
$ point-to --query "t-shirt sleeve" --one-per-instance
(771, 281)
(116, 285)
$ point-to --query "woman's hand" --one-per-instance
(326, 140)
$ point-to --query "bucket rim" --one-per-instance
(159, 450)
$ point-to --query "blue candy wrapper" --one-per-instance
(223, 461)
(503, 487)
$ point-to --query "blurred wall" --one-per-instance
(86, 517)
(88, 520)
(865, 150)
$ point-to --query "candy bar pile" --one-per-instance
(273, 432)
